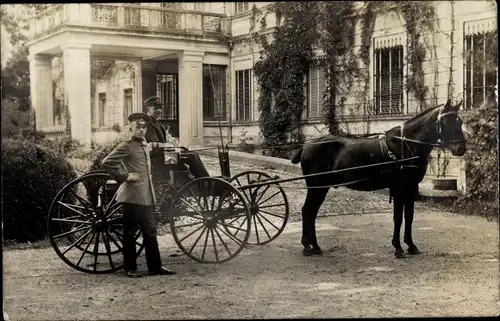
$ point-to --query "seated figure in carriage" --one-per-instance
(156, 132)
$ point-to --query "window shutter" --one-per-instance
(321, 90)
(313, 92)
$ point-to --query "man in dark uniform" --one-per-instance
(156, 131)
(130, 165)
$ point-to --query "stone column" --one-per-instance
(77, 85)
(138, 86)
(41, 90)
(191, 99)
(148, 75)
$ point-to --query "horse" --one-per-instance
(356, 163)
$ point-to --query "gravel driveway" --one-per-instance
(358, 276)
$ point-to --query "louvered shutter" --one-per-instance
(313, 92)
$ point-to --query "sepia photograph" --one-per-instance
(250, 160)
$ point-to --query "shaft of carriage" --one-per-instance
(284, 180)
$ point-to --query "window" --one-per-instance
(214, 92)
(243, 89)
(127, 104)
(480, 60)
(102, 108)
(241, 7)
(388, 81)
(316, 89)
(166, 89)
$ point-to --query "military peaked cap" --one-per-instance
(139, 118)
(153, 101)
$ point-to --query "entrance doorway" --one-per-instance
(167, 88)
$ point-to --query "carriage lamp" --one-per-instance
(170, 155)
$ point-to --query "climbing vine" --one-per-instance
(281, 70)
(330, 27)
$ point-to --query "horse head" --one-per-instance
(449, 128)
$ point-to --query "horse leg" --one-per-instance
(398, 221)
(314, 199)
(409, 212)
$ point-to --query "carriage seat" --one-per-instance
(196, 166)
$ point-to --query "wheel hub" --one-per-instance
(99, 225)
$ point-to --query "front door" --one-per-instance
(167, 88)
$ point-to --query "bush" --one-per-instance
(62, 145)
(32, 176)
(481, 159)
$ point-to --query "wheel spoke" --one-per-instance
(196, 199)
(185, 237)
(236, 218)
(242, 190)
(262, 194)
(268, 221)
(81, 199)
(204, 248)
(197, 239)
(270, 197)
(227, 209)
(256, 217)
(106, 208)
(236, 228)
(223, 243)
(72, 221)
(274, 205)
(112, 212)
(77, 242)
(256, 229)
(232, 237)
(190, 224)
(85, 250)
(113, 240)
(272, 214)
(96, 250)
(72, 231)
(215, 245)
(72, 209)
(108, 248)
(189, 205)
(120, 235)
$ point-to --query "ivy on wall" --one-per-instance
(330, 27)
(280, 72)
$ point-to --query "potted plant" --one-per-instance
(441, 182)
(243, 145)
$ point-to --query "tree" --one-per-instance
(16, 79)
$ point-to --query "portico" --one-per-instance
(78, 45)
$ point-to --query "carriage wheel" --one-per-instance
(85, 225)
(201, 211)
(268, 206)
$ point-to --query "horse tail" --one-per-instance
(296, 157)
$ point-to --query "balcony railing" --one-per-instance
(128, 17)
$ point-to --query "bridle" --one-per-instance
(439, 130)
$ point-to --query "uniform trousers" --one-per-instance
(140, 216)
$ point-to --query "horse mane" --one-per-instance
(424, 113)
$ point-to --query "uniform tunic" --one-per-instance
(132, 157)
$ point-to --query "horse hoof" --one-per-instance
(317, 251)
(307, 252)
(413, 251)
(400, 254)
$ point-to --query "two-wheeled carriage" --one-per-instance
(211, 218)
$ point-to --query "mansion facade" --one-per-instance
(176, 51)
